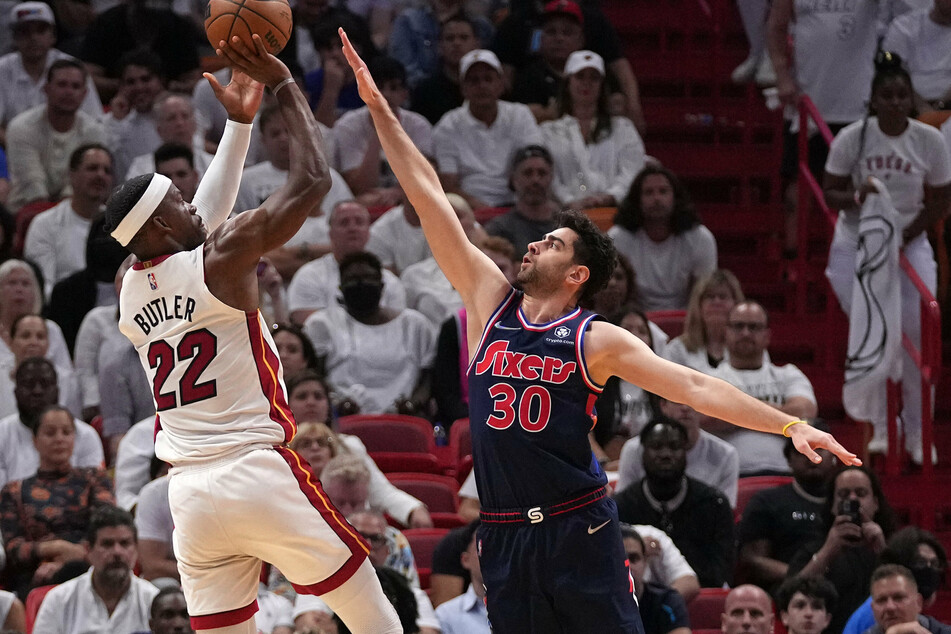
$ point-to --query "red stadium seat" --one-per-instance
(460, 443)
(447, 520)
(33, 602)
(747, 487)
(437, 492)
(423, 542)
(390, 432)
(404, 462)
(670, 321)
(706, 608)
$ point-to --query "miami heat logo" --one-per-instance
(152, 283)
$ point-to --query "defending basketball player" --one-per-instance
(549, 542)
(190, 307)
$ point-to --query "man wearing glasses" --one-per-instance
(750, 369)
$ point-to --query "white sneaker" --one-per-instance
(765, 75)
(878, 445)
(745, 71)
(914, 450)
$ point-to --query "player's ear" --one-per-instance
(579, 274)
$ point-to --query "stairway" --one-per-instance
(726, 146)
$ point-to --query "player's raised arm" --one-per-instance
(612, 351)
(478, 280)
(242, 241)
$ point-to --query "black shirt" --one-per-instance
(788, 520)
(435, 96)
(701, 527)
(662, 609)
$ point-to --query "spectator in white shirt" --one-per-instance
(923, 39)
(658, 230)
(107, 598)
(596, 155)
(317, 284)
(784, 387)
(475, 143)
(397, 237)
(361, 160)
(23, 72)
(174, 123)
(40, 140)
(56, 239)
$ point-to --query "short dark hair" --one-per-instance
(360, 257)
(531, 151)
(76, 158)
(29, 362)
(123, 199)
(55, 407)
(892, 570)
(164, 592)
(385, 68)
(813, 587)
(108, 516)
(461, 18)
(629, 532)
(169, 151)
(592, 249)
(660, 420)
(69, 62)
(630, 215)
(884, 517)
(144, 58)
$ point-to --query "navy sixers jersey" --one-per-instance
(530, 406)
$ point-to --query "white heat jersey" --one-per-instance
(216, 377)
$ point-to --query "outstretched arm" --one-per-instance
(610, 350)
(235, 249)
(478, 280)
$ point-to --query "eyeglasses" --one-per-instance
(740, 326)
(323, 441)
(376, 539)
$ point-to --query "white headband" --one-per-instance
(142, 210)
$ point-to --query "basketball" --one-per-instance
(270, 19)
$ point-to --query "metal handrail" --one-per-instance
(928, 358)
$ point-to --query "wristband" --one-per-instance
(289, 80)
(790, 424)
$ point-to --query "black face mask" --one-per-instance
(362, 298)
(928, 579)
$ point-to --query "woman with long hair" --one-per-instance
(912, 161)
(702, 346)
(596, 154)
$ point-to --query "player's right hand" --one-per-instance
(257, 63)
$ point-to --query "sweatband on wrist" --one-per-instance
(790, 424)
(289, 80)
(142, 210)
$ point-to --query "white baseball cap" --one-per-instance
(31, 12)
(477, 56)
(579, 60)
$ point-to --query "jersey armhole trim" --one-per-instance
(579, 353)
(488, 327)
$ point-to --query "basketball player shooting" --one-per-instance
(549, 543)
(190, 306)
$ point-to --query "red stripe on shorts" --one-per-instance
(224, 619)
(359, 549)
(267, 364)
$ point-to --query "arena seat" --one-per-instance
(670, 321)
(33, 601)
(423, 542)
(390, 432)
(460, 443)
(706, 608)
(391, 462)
(747, 487)
(437, 492)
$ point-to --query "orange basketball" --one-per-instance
(270, 19)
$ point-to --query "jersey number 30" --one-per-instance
(198, 348)
(534, 407)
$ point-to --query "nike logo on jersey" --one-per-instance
(501, 327)
(592, 531)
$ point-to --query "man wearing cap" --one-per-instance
(41, 139)
(23, 72)
(475, 143)
(515, 42)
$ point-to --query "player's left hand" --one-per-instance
(241, 97)
(370, 94)
(807, 439)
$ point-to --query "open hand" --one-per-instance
(370, 94)
(807, 439)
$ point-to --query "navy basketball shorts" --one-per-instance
(567, 573)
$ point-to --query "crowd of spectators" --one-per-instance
(524, 108)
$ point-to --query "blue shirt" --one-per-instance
(465, 614)
(531, 401)
(861, 619)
